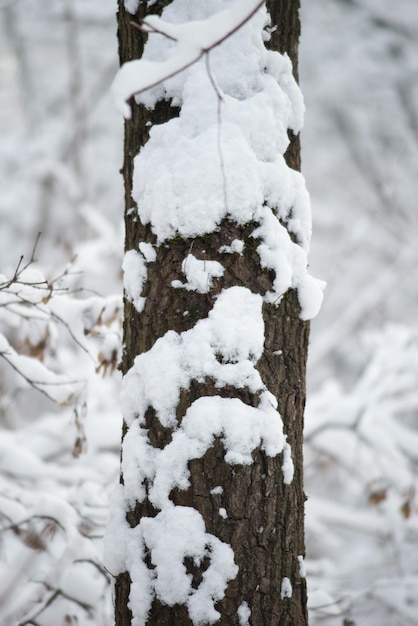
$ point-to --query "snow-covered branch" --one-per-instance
(31, 309)
(193, 40)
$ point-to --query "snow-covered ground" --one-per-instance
(60, 154)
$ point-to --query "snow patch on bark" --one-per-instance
(132, 6)
(224, 347)
(286, 590)
(134, 276)
(237, 246)
(199, 274)
(244, 614)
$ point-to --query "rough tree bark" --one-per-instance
(265, 524)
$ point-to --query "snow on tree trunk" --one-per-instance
(207, 523)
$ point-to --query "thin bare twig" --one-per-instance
(103, 571)
(219, 129)
(27, 520)
(150, 29)
(38, 385)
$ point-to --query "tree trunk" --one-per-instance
(256, 512)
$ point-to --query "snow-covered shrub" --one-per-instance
(361, 480)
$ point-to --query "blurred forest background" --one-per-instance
(60, 309)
